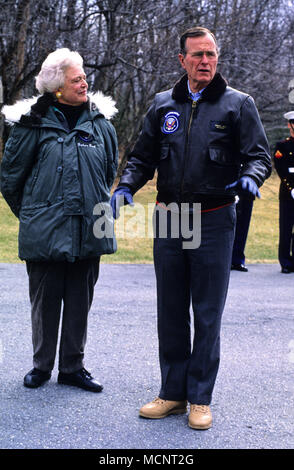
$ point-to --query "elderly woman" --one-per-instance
(59, 163)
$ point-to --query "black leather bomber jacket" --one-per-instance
(199, 147)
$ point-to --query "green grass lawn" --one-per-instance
(263, 237)
(262, 242)
(8, 234)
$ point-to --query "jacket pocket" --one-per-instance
(45, 234)
(221, 157)
(222, 168)
(34, 177)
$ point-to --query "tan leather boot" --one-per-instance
(160, 408)
(200, 417)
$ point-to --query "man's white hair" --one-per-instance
(51, 75)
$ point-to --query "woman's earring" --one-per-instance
(58, 94)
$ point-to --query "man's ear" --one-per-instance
(181, 60)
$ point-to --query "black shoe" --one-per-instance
(239, 267)
(35, 378)
(286, 270)
(82, 379)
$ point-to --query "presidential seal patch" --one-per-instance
(171, 122)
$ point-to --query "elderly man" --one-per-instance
(207, 143)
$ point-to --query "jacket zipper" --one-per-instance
(194, 105)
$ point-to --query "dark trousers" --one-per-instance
(201, 276)
(244, 211)
(286, 223)
(50, 285)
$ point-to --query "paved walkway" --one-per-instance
(253, 403)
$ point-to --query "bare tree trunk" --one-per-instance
(23, 19)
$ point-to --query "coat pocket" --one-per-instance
(220, 156)
(222, 169)
(33, 178)
(45, 233)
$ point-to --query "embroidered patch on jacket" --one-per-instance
(278, 154)
(171, 122)
(219, 126)
(84, 137)
(85, 140)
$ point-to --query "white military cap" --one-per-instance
(289, 115)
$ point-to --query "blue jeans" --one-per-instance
(199, 277)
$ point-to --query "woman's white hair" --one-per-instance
(51, 75)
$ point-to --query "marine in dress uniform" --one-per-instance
(284, 164)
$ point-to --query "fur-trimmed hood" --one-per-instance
(33, 109)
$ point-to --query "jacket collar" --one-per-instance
(30, 112)
(211, 93)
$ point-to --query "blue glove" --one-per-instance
(245, 184)
(121, 197)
